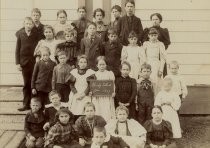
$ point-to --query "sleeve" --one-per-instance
(167, 41)
(124, 54)
(163, 55)
(17, 51)
(119, 141)
(49, 141)
(142, 55)
(72, 81)
(119, 24)
(82, 47)
(158, 99)
(134, 91)
(168, 134)
(54, 78)
(79, 128)
(26, 126)
(183, 86)
(34, 75)
(116, 90)
(176, 103)
(145, 50)
(140, 30)
(37, 49)
(147, 126)
(46, 114)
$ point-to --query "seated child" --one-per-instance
(85, 124)
(62, 134)
(34, 122)
(101, 139)
(128, 129)
(52, 108)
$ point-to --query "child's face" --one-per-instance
(28, 24)
(91, 29)
(157, 114)
(133, 40)
(122, 115)
(81, 13)
(112, 37)
(173, 68)
(153, 37)
(35, 16)
(145, 73)
(99, 17)
(55, 99)
(167, 85)
(62, 18)
(155, 21)
(101, 65)
(69, 37)
(116, 13)
(64, 118)
(62, 59)
(82, 63)
(48, 33)
(89, 112)
(45, 55)
(98, 138)
(129, 8)
(125, 70)
(35, 106)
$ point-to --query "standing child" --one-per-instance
(62, 134)
(78, 96)
(27, 40)
(116, 11)
(126, 90)
(170, 103)
(91, 46)
(155, 56)
(34, 122)
(42, 76)
(133, 54)
(179, 85)
(61, 74)
(145, 94)
(104, 105)
(112, 50)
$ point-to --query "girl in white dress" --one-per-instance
(155, 56)
(104, 104)
(78, 96)
(170, 103)
(133, 54)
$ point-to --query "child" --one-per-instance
(129, 130)
(170, 103)
(102, 140)
(116, 11)
(179, 85)
(101, 28)
(91, 46)
(85, 124)
(62, 134)
(69, 47)
(61, 74)
(155, 56)
(34, 122)
(52, 108)
(78, 97)
(126, 89)
(133, 54)
(27, 40)
(159, 131)
(49, 42)
(42, 76)
(145, 94)
(105, 104)
(112, 50)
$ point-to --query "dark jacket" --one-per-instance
(40, 31)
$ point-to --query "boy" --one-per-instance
(145, 94)
(129, 23)
(27, 40)
(112, 49)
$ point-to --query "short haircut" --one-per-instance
(121, 107)
(158, 107)
(132, 34)
(49, 27)
(100, 58)
(99, 129)
(158, 15)
(125, 63)
(117, 7)
(153, 30)
(45, 48)
(82, 7)
(36, 10)
(174, 63)
(111, 31)
(54, 92)
(146, 66)
(99, 10)
(36, 100)
(91, 23)
(130, 1)
(89, 104)
(60, 53)
(28, 19)
(61, 11)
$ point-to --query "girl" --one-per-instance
(42, 76)
(49, 42)
(101, 28)
(85, 124)
(159, 131)
(155, 56)
(91, 46)
(129, 130)
(170, 103)
(78, 96)
(62, 134)
(104, 105)
(126, 90)
(133, 54)
(116, 11)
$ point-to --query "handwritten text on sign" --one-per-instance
(101, 88)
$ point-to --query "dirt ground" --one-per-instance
(196, 132)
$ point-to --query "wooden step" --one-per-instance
(6, 137)
(7, 108)
(13, 94)
(12, 126)
(12, 118)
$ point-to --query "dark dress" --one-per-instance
(101, 31)
(40, 30)
(126, 90)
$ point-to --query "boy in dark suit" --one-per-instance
(27, 40)
(129, 23)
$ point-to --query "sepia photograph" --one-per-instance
(104, 73)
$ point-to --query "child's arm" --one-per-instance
(124, 54)
(50, 138)
(158, 99)
(54, 78)
(140, 30)
(17, 52)
(27, 128)
(34, 78)
(183, 88)
(163, 55)
(176, 103)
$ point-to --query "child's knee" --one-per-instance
(39, 142)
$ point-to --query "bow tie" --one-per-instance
(146, 84)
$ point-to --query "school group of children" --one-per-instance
(58, 63)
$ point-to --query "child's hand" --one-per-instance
(82, 141)
(32, 138)
(46, 126)
(34, 91)
(113, 95)
(19, 68)
(160, 73)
